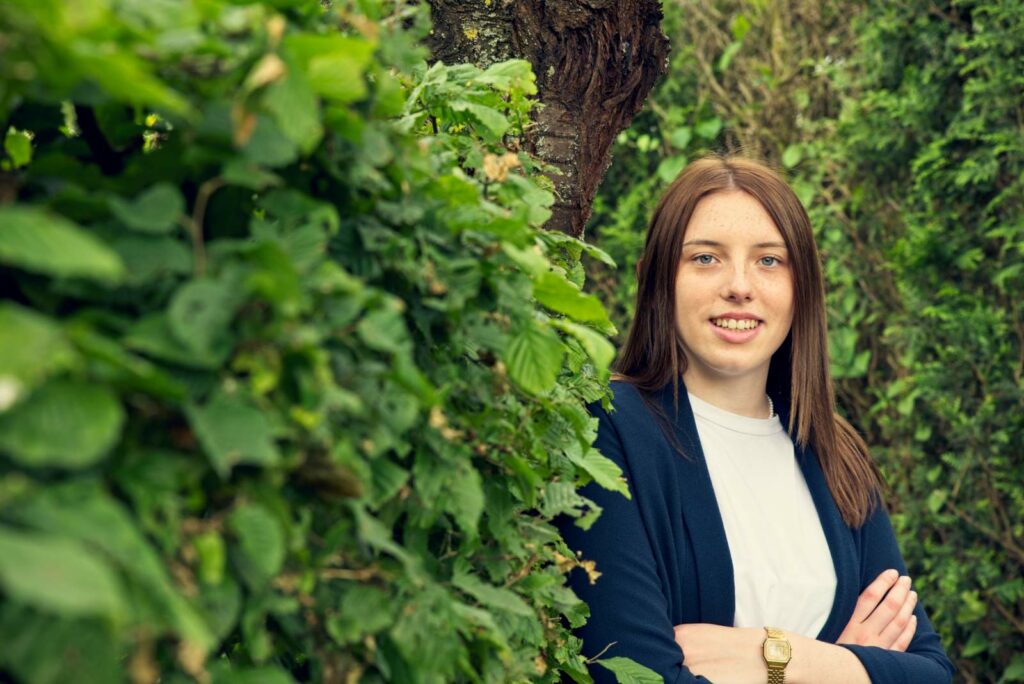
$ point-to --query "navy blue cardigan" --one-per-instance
(665, 560)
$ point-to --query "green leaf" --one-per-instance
(597, 346)
(709, 128)
(338, 77)
(261, 543)
(296, 110)
(466, 499)
(558, 294)
(670, 167)
(200, 315)
(18, 146)
(513, 73)
(233, 431)
(65, 424)
(534, 357)
(157, 210)
(152, 258)
(493, 120)
(727, 55)
(936, 500)
(1015, 671)
(604, 471)
(38, 241)
(32, 348)
(82, 510)
(56, 574)
(681, 137)
(491, 596)
(363, 610)
(384, 329)
(630, 672)
(792, 156)
(529, 259)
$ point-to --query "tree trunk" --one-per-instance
(595, 61)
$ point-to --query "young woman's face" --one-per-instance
(734, 289)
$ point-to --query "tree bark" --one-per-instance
(595, 61)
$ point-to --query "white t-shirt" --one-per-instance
(781, 561)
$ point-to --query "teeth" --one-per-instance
(733, 324)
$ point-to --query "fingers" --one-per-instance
(889, 607)
(899, 624)
(872, 595)
(903, 641)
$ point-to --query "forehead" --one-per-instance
(731, 216)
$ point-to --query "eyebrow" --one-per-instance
(712, 243)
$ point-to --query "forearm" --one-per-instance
(818, 661)
(733, 654)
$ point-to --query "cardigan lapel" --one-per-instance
(703, 520)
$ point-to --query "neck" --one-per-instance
(743, 396)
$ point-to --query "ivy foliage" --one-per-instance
(291, 383)
(900, 128)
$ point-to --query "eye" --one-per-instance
(704, 259)
(770, 261)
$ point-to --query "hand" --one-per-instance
(722, 654)
(888, 623)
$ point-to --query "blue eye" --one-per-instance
(769, 261)
(704, 259)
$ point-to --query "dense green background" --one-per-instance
(901, 125)
(291, 384)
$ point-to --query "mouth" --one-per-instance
(736, 323)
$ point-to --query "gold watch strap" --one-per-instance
(776, 674)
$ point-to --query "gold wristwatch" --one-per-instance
(777, 652)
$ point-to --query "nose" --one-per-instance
(738, 287)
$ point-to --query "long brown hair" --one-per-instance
(798, 375)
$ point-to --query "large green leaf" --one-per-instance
(233, 431)
(630, 672)
(261, 543)
(32, 347)
(157, 210)
(597, 346)
(492, 596)
(296, 110)
(39, 241)
(534, 357)
(56, 574)
(604, 471)
(200, 315)
(65, 423)
(466, 498)
(558, 294)
(84, 512)
(55, 648)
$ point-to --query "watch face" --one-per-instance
(776, 650)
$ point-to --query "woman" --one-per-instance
(754, 505)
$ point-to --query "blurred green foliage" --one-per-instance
(901, 126)
(291, 382)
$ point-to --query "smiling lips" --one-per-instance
(735, 323)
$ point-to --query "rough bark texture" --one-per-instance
(595, 60)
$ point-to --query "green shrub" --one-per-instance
(291, 383)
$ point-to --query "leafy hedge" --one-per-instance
(291, 384)
(900, 125)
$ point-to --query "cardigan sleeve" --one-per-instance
(629, 615)
(924, 661)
